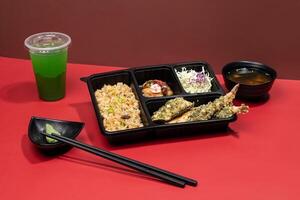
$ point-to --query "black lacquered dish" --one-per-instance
(134, 78)
(255, 79)
(68, 129)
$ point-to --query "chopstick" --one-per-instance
(164, 175)
(187, 181)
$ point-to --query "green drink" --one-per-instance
(50, 74)
(48, 52)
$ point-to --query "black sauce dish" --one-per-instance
(68, 129)
(255, 79)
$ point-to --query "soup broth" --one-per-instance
(248, 76)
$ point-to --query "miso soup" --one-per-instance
(249, 76)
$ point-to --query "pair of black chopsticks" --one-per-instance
(164, 175)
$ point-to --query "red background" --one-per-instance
(257, 160)
(135, 32)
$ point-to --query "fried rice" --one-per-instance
(118, 107)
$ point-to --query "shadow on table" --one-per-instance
(87, 114)
(34, 156)
(251, 103)
(111, 167)
(175, 138)
(21, 92)
(31, 153)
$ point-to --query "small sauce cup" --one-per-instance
(69, 129)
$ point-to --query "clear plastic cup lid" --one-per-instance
(47, 41)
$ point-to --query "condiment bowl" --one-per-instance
(255, 79)
(68, 129)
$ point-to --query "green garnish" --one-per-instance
(110, 110)
(122, 123)
(119, 99)
(49, 130)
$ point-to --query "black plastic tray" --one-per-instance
(134, 78)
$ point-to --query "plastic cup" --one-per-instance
(49, 52)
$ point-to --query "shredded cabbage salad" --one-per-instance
(194, 82)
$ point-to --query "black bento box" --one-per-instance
(135, 77)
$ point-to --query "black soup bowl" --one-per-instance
(68, 129)
(255, 79)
